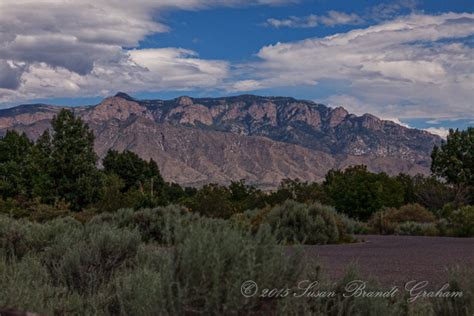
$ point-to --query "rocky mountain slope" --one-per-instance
(260, 139)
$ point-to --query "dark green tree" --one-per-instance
(133, 170)
(245, 197)
(142, 179)
(360, 193)
(454, 159)
(432, 193)
(15, 177)
(297, 190)
(40, 166)
(75, 175)
(212, 200)
(408, 184)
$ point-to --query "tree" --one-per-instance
(454, 160)
(75, 175)
(133, 170)
(245, 197)
(433, 193)
(41, 167)
(212, 200)
(360, 193)
(408, 184)
(14, 175)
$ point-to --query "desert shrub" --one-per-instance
(203, 273)
(25, 286)
(417, 229)
(251, 219)
(13, 237)
(97, 253)
(19, 237)
(298, 222)
(102, 268)
(442, 225)
(353, 226)
(460, 279)
(341, 304)
(387, 220)
(461, 221)
(379, 223)
(34, 209)
(410, 212)
(157, 224)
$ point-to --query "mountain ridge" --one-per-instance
(208, 138)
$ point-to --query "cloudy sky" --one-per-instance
(410, 60)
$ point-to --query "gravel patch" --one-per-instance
(394, 260)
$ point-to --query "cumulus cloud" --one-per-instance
(10, 75)
(407, 67)
(71, 48)
(332, 18)
(440, 131)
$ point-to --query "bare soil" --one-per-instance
(394, 260)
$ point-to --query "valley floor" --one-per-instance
(394, 260)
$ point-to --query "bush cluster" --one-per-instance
(295, 222)
(113, 265)
(413, 219)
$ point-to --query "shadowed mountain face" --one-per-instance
(260, 139)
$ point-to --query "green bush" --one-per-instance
(13, 237)
(387, 220)
(417, 229)
(97, 253)
(353, 226)
(157, 224)
(461, 221)
(410, 212)
(251, 219)
(19, 237)
(298, 222)
(104, 267)
(34, 209)
(203, 273)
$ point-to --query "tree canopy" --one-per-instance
(454, 159)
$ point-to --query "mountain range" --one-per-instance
(260, 139)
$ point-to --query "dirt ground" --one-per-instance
(394, 260)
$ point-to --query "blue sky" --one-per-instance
(408, 61)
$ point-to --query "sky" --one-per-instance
(410, 61)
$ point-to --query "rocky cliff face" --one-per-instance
(261, 139)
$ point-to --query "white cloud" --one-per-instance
(246, 85)
(55, 48)
(413, 66)
(382, 11)
(138, 70)
(440, 131)
(388, 10)
(332, 18)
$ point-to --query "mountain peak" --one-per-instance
(125, 96)
(337, 115)
(120, 107)
(185, 100)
